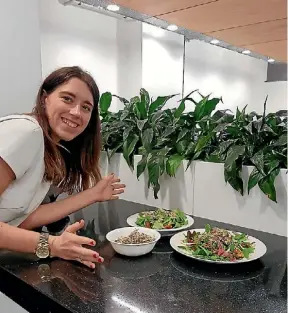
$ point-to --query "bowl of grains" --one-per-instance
(133, 241)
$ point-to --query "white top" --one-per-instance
(22, 148)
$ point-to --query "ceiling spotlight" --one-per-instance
(172, 27)
(214, 41)
(271, 60)
(246, 51)
(113, 7)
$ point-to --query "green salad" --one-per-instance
(217, 245)
(162, 219)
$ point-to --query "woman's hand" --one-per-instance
(106, 189)
(68, 246)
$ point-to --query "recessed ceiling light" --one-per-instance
(246, 51)
(113, 7)
(214, 41)
(271, 60)
(172, 27)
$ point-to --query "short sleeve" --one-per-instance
(20, 142)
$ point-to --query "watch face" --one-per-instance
(42, 252)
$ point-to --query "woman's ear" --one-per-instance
(44, 98)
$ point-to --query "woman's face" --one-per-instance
(69, 109)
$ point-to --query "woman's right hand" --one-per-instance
(68, 246)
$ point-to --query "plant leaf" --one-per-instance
(220, 127)
(147, 138)
(233, 178)
(154, 174)
(141, 166)
(156, 116)
(128, 149)
(145, 98)
(190, 148)
(267, 185)
(180, 109)
(181, 146)
(159, 103)
(123, 100)
(105, 102)
(205, 107)
(282, 141)
(173, 163)
(225, 145)
(233, 154)
(258, 161)
(140, 109)
(168, 131)
(141, 124)
(111, 152)
(254, 178)
(126, 132)
(201, 143)
(163, 151)
(221, 114)
(124, 115)
(182, 134)
(187, 97)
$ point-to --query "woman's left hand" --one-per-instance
(107, 188)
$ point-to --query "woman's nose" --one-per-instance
(75, 110)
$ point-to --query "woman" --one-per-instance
(57, 144)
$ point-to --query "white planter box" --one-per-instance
(216, 200)
(202, 191)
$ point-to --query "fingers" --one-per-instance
(119, 186)
(118, 191)
(81, 240)
(112, 178)
(75, 227)
(88, 257)
(115, 180)
(87, 263)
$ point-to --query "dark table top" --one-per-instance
(161, 282)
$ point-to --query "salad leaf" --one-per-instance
(247, 252)
(157, 225)
(207, 228)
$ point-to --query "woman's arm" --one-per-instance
(17, 239)
(52, 212)
(107, 189)
(11, 237)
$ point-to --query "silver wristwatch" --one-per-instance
(42, 250)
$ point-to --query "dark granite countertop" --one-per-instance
(161, 282)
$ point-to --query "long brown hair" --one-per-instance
(78, 168)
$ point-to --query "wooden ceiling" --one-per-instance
(258, 25)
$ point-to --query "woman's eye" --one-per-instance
(87, 108)
(67, 99)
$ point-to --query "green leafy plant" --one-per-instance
(166, 137)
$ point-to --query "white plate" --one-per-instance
(131, 220)
(260, 248)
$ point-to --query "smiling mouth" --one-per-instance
(69, 123)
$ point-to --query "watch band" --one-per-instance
(43, 248)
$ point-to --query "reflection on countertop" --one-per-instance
(162, 281)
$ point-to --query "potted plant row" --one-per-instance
(166, 137)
